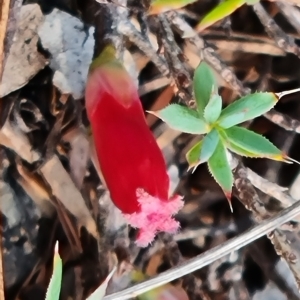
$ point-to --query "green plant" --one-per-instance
(222, 10)
(160, 6)
(167, 291)
(219, 127)
(54, 286)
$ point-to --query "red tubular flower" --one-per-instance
(130, 159)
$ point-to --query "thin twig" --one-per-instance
(291, 13)
(208, 53)
(211, 255)
(283, 246)
(190, 283)
(283, 121)
(270, 188)
(153, 85)
(173, 53)
(106, 23)
(284, 41)
(291, 2)
(127, 29)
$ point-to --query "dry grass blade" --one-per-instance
(65, 190)
(211, 255)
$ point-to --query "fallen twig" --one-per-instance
(283, 121)
(211, 255)
(188, 33)
(284, 41)
(248, 196)
(178, 67)
(291, 13)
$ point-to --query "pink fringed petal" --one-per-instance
(155, 215)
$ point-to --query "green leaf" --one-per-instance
(54, 287)
(193, 155)
(221, 11)
(202, 150)
(248, 142)
(161, 6)
(213, 109)
(204, 85)
(233, 147)
(220, 169)
(251, 2)
(99, 293)
(210, 142)
(182, 118)
(246, 108)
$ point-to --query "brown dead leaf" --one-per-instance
(78, 155)
(24, 60)
(64, 189)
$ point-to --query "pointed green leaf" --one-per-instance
(193, 155)
(220, 169)
(99, 293)
(182, 118)
(233, 147)
(54, 287)
(210, 142)
(204, 85)
(161, 6)
(247, 108)
(221, 11)
(244, 140)
(213, 109)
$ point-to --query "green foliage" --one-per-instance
(204, 86)
(183, 119)
(222, 10)
(213, 109)
(252, 142)
(210, 142)
(220, 128)
(247, 108)
(193, 155)
(53, 290)
(160, 6)
(220, 169)
(54, 287)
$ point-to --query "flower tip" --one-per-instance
(155, 215)
(228, 197)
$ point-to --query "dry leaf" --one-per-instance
(24, 60)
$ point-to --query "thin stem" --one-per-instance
(282, 94)
(209, 256)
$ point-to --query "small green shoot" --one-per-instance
(54, 287)
(219, 127)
